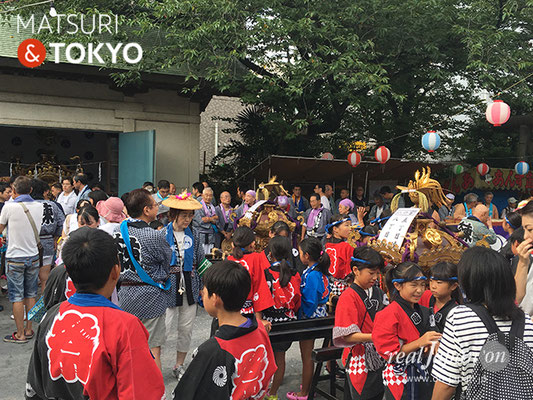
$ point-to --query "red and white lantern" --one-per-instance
(382, 154)
(498, 113)
(483, 169)
(354, 159)
(327, 156)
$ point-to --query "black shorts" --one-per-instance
(281, 347)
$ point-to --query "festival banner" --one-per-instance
(497, 179)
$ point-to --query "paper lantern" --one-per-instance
(354, 158)
(382, 154)
(327, 156)
(498, 113)
(431, 141)
(458, 169)
(483, 169)
(521, 168)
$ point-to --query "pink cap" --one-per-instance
(111, 209)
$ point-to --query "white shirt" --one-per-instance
(109, 227)
(463, 337)
(68, 202)
(71, 223)
(180, 240)
(20, 236)
(325, 202)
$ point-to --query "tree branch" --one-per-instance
(261, 71)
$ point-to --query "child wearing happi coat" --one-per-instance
(404, 334)
(87, 347)
(284, 283)
(354, 322)
(237, 362)
(259, 298)
(340, 253)
(315, 293)
(443, 294)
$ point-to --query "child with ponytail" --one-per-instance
(284, 284)
(340, 253)
(443, 293)
(315, 294)
(403, 332)
(259, 298)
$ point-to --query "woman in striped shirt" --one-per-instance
(486, 279)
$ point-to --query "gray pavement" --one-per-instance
(14, 358)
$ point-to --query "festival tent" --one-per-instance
(308, 171)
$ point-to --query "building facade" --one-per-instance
(213, 135)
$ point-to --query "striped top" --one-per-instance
(463, 337)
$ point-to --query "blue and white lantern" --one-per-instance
(431, 141)
(521, 168)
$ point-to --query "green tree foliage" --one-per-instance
(323, 73)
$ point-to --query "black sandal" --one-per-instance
(13, 339)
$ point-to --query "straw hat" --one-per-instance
(183, 201)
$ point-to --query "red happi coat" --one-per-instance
(286, 299)
(259, 298)
(93, 351)
(351, 316)
(391, 326)
(440, 314)
(426, 297)
(340, 256)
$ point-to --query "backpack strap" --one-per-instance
(35, 233)
(517, 328)
(519, 325)
(485, 317)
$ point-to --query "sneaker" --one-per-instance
(179, 372)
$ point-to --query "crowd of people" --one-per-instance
(117, 275)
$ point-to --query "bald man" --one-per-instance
(477, 226)
(225, 223)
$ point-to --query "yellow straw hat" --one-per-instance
(183, 201)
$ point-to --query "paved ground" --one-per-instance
(15, 357)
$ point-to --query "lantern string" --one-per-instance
(514, 84)
(463, 110)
